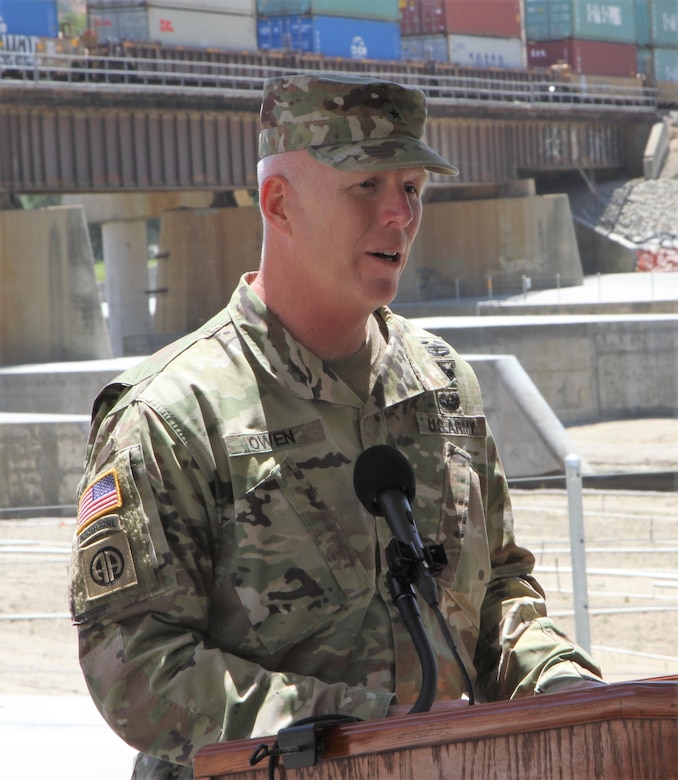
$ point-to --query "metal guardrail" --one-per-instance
(81, 70)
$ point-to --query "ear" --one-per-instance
(274, 196)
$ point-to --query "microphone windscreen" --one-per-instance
(379, 468)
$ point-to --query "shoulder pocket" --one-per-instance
(463, 532)
(119, 548)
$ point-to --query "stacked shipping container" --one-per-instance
(658, 40)
(597, 38)
(485, 33)
(606, 38)
(227, 24)
(614, 38)
(336, 28)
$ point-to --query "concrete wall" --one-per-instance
(587, 368)
(468, 240)
(207, 251)
(41, 454)
(41, 459)
(530, 437)
(603, 252)
(49, 302)
(57, 388)
(567, 370)
(116, 207)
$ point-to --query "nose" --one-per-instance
(398, 208)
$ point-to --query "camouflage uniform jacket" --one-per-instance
(227, 581)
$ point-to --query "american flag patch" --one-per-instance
(100, 497)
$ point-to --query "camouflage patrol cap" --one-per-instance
(349, 122)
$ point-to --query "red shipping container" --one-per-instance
(410, 17)
(597, 58)
(492, 18)
(432, 17)
(422, 17)
(489, 18)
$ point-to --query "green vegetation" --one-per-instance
(72, 17)
(39, 201)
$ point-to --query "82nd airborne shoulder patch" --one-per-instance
(105, 555)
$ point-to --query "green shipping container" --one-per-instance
(536, 14)
(613, 21)
(382, 10)
(560, 19)
(643, 23)
(664, 25)
(666, 64)
(548, 20)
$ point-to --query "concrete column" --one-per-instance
(49, 303)
(204, 253)
(125, 259)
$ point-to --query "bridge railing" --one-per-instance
(176, 74)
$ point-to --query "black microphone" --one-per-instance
(384, 483)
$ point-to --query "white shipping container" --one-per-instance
(248, 7)
(176, 27)
(484, 52)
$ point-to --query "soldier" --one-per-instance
(226, 580)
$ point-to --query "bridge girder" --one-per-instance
(95, 144)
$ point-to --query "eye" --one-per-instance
(414, 189)
(366, 183)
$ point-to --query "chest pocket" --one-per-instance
(295, 566)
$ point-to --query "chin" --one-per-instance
(382, 293)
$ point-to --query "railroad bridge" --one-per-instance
(173, 125)
(148, 138)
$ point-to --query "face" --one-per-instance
(352, 232)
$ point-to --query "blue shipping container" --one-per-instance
(333, 36)
(427, 48)
(29, 17)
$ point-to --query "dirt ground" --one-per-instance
(631, 559)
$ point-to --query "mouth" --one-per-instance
(390, 257)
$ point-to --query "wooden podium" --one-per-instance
(625, 731)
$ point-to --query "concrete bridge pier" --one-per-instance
(50, 308)
(125, 259)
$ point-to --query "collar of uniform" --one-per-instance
(407, 369)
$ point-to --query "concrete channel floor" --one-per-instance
(61, 738)
(65, 738)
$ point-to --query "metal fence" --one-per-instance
(247, 79)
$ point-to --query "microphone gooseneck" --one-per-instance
(384, 482)
(385, 485)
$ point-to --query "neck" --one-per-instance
(323, 327)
